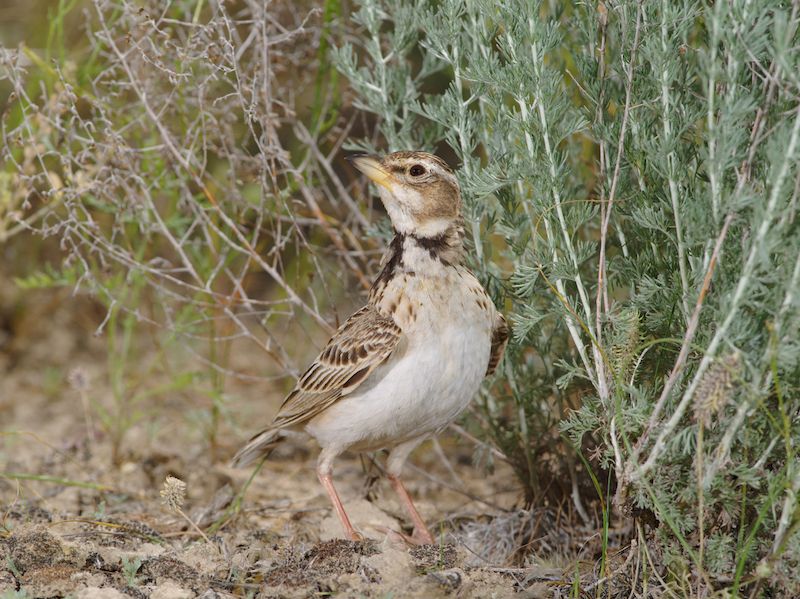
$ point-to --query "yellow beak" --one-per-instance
(371, 167)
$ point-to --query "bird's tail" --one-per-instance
(259, 446)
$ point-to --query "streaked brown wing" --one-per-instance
(363, 342)
(499, 341)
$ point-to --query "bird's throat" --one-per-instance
(418, 255)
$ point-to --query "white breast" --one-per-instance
(430, 380)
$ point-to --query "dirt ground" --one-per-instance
(72, 524)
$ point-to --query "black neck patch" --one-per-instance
(394, 263)
(435, 245)
(444, 247)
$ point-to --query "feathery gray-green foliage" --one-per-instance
(630, 175)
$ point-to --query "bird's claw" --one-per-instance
(414, 539)
(356, 536)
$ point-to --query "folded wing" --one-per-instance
(500, 335)
(362, 343)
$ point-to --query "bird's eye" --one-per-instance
(417, 170)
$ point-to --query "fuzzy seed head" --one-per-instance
(716, 388)
(174, 493)
(625, 338)
(78, 379)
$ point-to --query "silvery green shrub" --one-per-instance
(631, 180)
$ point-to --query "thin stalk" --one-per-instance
(700, 502)
(672, 183)
(551, 162)
(713, 175)
(55, 480)
(463, 144)
(559, 284)
(601, 267)
(602, 289)
(790, 504)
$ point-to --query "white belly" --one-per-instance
(423, 388)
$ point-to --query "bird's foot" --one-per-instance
(414, 539)
(352, 534)
(356, 536)
(422, 537)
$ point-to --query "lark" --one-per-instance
(404, 366)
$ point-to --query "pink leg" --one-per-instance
(421, 534)
(327, 482)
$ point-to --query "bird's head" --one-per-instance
(418, 189)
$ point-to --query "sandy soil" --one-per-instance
(71, 524)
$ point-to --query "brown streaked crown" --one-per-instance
(404, 158)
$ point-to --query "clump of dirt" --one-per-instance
(50, 581)
(329, 558)
(339, 555)
(447, 580)
(25, 513)
(33, 549)
(162, 568)
(8, 583)
(430, 558)
(119, 532)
